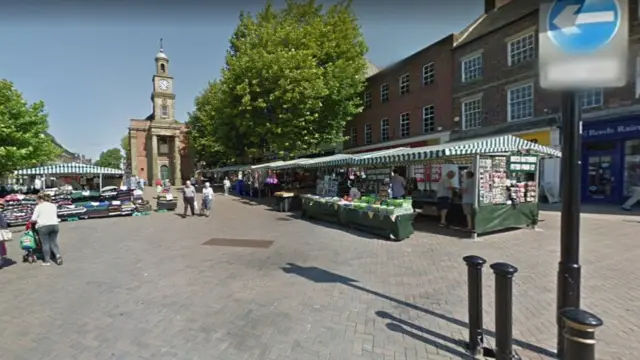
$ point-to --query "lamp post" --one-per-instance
(569, 266)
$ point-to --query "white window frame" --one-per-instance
(384, 130)
(384, 93)
(353, 138)
(368, 134)
(405, 84)
(522, 49)
(164, 111)
(429, 118)
(405, 124)
(592, 98)
(528, 114)
(368, 101)
(473, 73)
(428, 74)
(163, 145)
(476, 112)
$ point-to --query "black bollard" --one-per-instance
(474, 278)
(504, 310)
(579, 334)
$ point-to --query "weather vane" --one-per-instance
(161, 47)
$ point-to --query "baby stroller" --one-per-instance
(31, 244)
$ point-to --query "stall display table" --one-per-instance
(395, 227)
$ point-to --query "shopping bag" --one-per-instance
(195, 206)
(6, 235)
(28, 241)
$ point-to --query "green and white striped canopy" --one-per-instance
(499, 144)
(69, 169)
(267, 165)
(291, 164)
(328, 161)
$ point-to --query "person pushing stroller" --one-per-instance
(45, 217)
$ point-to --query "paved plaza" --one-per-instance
(147, 288)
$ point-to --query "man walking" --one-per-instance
(634, 191)
(189, 199)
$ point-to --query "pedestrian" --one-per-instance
(227, 185)
(207, 199)
(189, 198)
(634, 190)
(5, 235)
(398, 184)
(45, 216)
(468, 197)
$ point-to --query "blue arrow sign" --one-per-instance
(583, 26)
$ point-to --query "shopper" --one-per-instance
(468, 195)
(634, 182)
(189, 198)
(398, 184)
(445, 193)
(227, 185)
(207, 199)
(5, 235)
(45, 216)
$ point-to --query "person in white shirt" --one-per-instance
(45, 216)
(444, 196)
(398, 184)
(468, 197)
(207, 199)
(227, 185)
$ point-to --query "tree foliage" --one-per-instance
(111, 158)
(23, 139)
(293, 78)
(203, 128)
(126, 149)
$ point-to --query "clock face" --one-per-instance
(164, 85)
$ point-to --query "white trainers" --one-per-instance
(46, 264)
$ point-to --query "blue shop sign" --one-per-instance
(600, 130)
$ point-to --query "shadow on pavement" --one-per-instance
(321, 276)
(6, 262)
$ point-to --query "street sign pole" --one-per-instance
(569, 266)
(583, 44)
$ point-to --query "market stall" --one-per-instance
(504, 180)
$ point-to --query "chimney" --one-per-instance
(491, 5)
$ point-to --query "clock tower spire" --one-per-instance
(162, 97)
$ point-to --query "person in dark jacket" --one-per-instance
(3, 247)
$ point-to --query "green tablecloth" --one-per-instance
(398, 227)
(497, 217)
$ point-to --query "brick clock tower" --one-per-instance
(158, 141)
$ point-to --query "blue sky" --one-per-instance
(93, 66)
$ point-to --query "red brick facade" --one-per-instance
(434, 89)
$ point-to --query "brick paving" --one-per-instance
(146, 288)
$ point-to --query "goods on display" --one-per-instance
(499, 184)
(166, 202)
(369, 204)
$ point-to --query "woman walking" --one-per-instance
(45, 216)
(207, 199)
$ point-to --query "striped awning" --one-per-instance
(291, 164)
(69, 169)
(328, 161)
(499, 144)
(267, 165)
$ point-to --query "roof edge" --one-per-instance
(462, 35)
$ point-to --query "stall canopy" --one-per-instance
(492, 145)
(69, 169)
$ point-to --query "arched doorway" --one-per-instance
(164, 172)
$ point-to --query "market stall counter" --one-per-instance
(392, 219)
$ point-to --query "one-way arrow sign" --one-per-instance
(583, 43)
(569, 18)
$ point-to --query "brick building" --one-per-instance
(407, 104)
(158, 142)
(495, 91)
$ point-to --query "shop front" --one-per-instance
(610, 159)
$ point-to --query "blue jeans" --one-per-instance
(49, 238)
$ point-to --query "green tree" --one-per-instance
(126, 149)
(293, 78)
(111, 158)
(203, 128)
(23, 127)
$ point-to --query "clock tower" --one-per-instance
(162, 97)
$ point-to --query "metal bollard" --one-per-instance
(504, 310)
(579, 334)
(474, 278)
